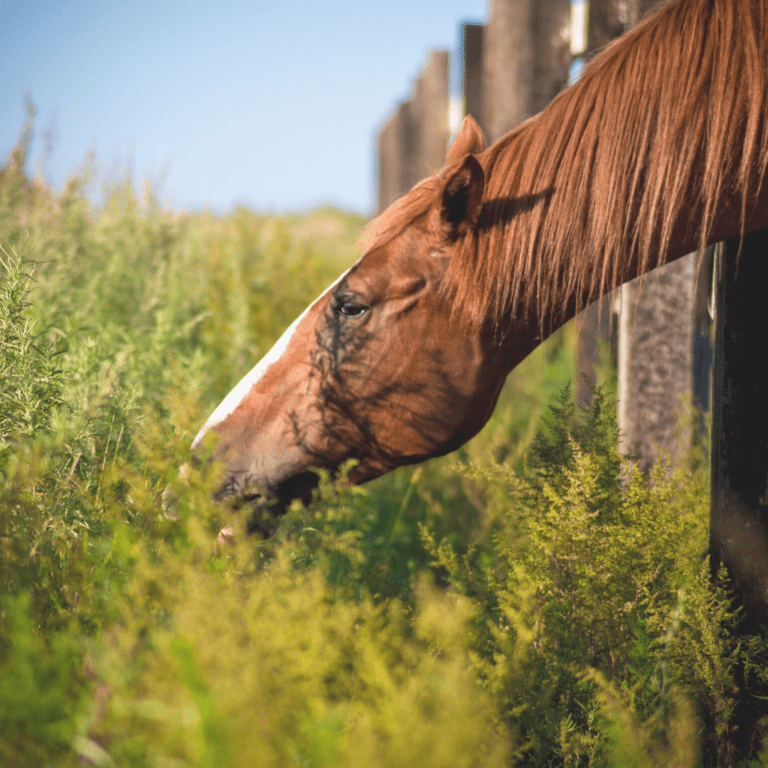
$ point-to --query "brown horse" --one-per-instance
(658, 150)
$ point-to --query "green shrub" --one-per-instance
(598, 617)
(30, 379)
(276, 665)
(41, 688)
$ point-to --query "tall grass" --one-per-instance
(528, 600)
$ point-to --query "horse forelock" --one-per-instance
(668, 122)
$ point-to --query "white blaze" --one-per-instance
(236, 396)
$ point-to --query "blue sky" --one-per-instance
(269, 104)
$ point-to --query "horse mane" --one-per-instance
(667, 123)
(402, 213)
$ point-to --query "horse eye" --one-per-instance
(350, 309)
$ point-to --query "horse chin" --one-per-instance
(267, 507)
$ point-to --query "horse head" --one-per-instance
(378, 369)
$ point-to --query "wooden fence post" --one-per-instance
(430, 104)
(739, 506)
(595, 330)
(507, 66)
(525, 61)
(659, 335)
(412, 143)
(471, 63)
(396, 147)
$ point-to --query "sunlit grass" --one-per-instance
(526, 600)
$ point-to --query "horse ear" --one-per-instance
(461, 199)
(469, 140)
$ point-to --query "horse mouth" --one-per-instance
(268, 507)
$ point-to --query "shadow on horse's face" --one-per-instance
(375, 369)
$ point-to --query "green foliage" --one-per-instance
(278, 663)
(40, 693)
(530, 600)
(599, 625)
(30, 380)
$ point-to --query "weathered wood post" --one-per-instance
(430, 105)
(595, 332)
(471, 64)
(525, 61)
(412, 143)
(660, 332)
(395, 151)
(508, 66)
(738, 534)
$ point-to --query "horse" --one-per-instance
(658, 150)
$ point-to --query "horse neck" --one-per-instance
(659, 150)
